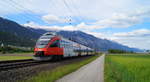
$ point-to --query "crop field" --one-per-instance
(127, 68)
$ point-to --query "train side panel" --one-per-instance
(54, 51)
(67, 48)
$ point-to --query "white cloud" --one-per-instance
(56, 28)
(138, 42)
(100, 10)
(54, 19)
(81, 26)
(119, 21)
(135, 33)
(87, 26)
(96, 34)
(92, 9)
(138, 38)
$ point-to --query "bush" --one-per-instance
(118, 51)
(8, 49)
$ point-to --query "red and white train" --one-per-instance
(52, 46)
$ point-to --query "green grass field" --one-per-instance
(127, 68)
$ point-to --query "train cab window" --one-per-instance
(55, 44)
(41, 43)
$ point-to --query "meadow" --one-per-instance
(127, 68)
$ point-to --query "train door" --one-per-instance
(63, 46)
(71, 50)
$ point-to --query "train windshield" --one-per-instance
(46, 37)
(42, 43)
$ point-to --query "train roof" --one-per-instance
(50, 33)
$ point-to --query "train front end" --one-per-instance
(43, 50)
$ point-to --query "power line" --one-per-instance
(75, 7)
(22, 8)
(69, 8)
(7, 10)
(27, 15)
(58, 8)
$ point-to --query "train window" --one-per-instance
(42, 43)
(55, 44)
(46, 37)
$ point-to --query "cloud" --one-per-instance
(135, 33)
(101, 11)
(119, 21)
(139, 38)
(98, 9)
(54, 19)
(81, 26)
(96, 34)
(56, 28)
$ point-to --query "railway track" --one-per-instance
(7, 65)
(14, 64)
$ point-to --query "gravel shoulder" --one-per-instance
(92, 72)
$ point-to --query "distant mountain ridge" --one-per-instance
(94, 42)
(14, 34)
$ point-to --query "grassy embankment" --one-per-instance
(51, 76)
(15, 56)
(127, 68)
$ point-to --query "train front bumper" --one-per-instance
(40, 56)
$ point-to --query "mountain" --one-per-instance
(94, 42)
(14, 34)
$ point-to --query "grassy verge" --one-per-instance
(51, 76)
(4, 58)
(15, 56)
(127, 68)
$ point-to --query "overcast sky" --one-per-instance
(124, 21)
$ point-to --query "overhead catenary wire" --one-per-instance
(69, 8)
(20, 7)
(29, 17)
(26, 9)
(77, 10)
(63, 14)
(4, 4)
(35, 18)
